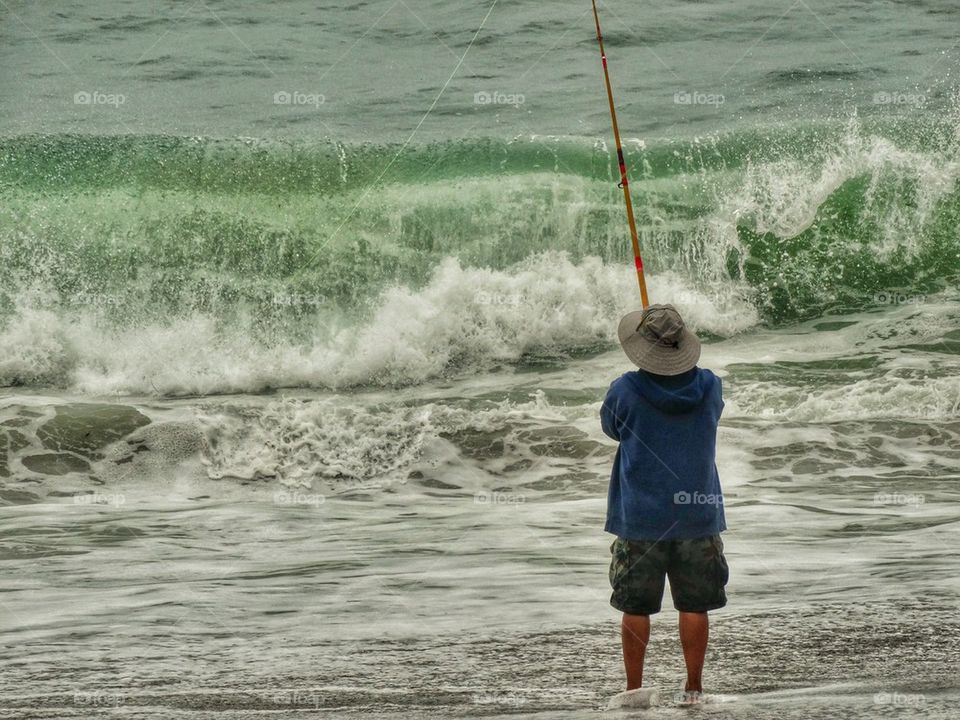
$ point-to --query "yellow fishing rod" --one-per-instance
(623, 167)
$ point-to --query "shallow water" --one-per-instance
(467, 573)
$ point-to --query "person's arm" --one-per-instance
(609, 415)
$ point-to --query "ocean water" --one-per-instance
(306, 314)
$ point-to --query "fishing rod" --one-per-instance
(623, 167)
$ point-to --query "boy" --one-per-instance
(664, 504)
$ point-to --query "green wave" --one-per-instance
(147, 227)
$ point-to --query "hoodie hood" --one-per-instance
(673, 394)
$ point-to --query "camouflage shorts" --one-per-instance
(697, 570)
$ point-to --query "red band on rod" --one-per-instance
(623, 166)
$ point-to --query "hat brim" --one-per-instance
(658, 359)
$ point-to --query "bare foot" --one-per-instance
(637, 698)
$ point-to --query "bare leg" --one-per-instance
(694, 633)
(635, 634)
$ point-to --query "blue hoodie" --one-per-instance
(664, 483)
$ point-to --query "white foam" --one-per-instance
(901, 369)
(783, 197)
(888, 396)
(331, 440)
(464, 319)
